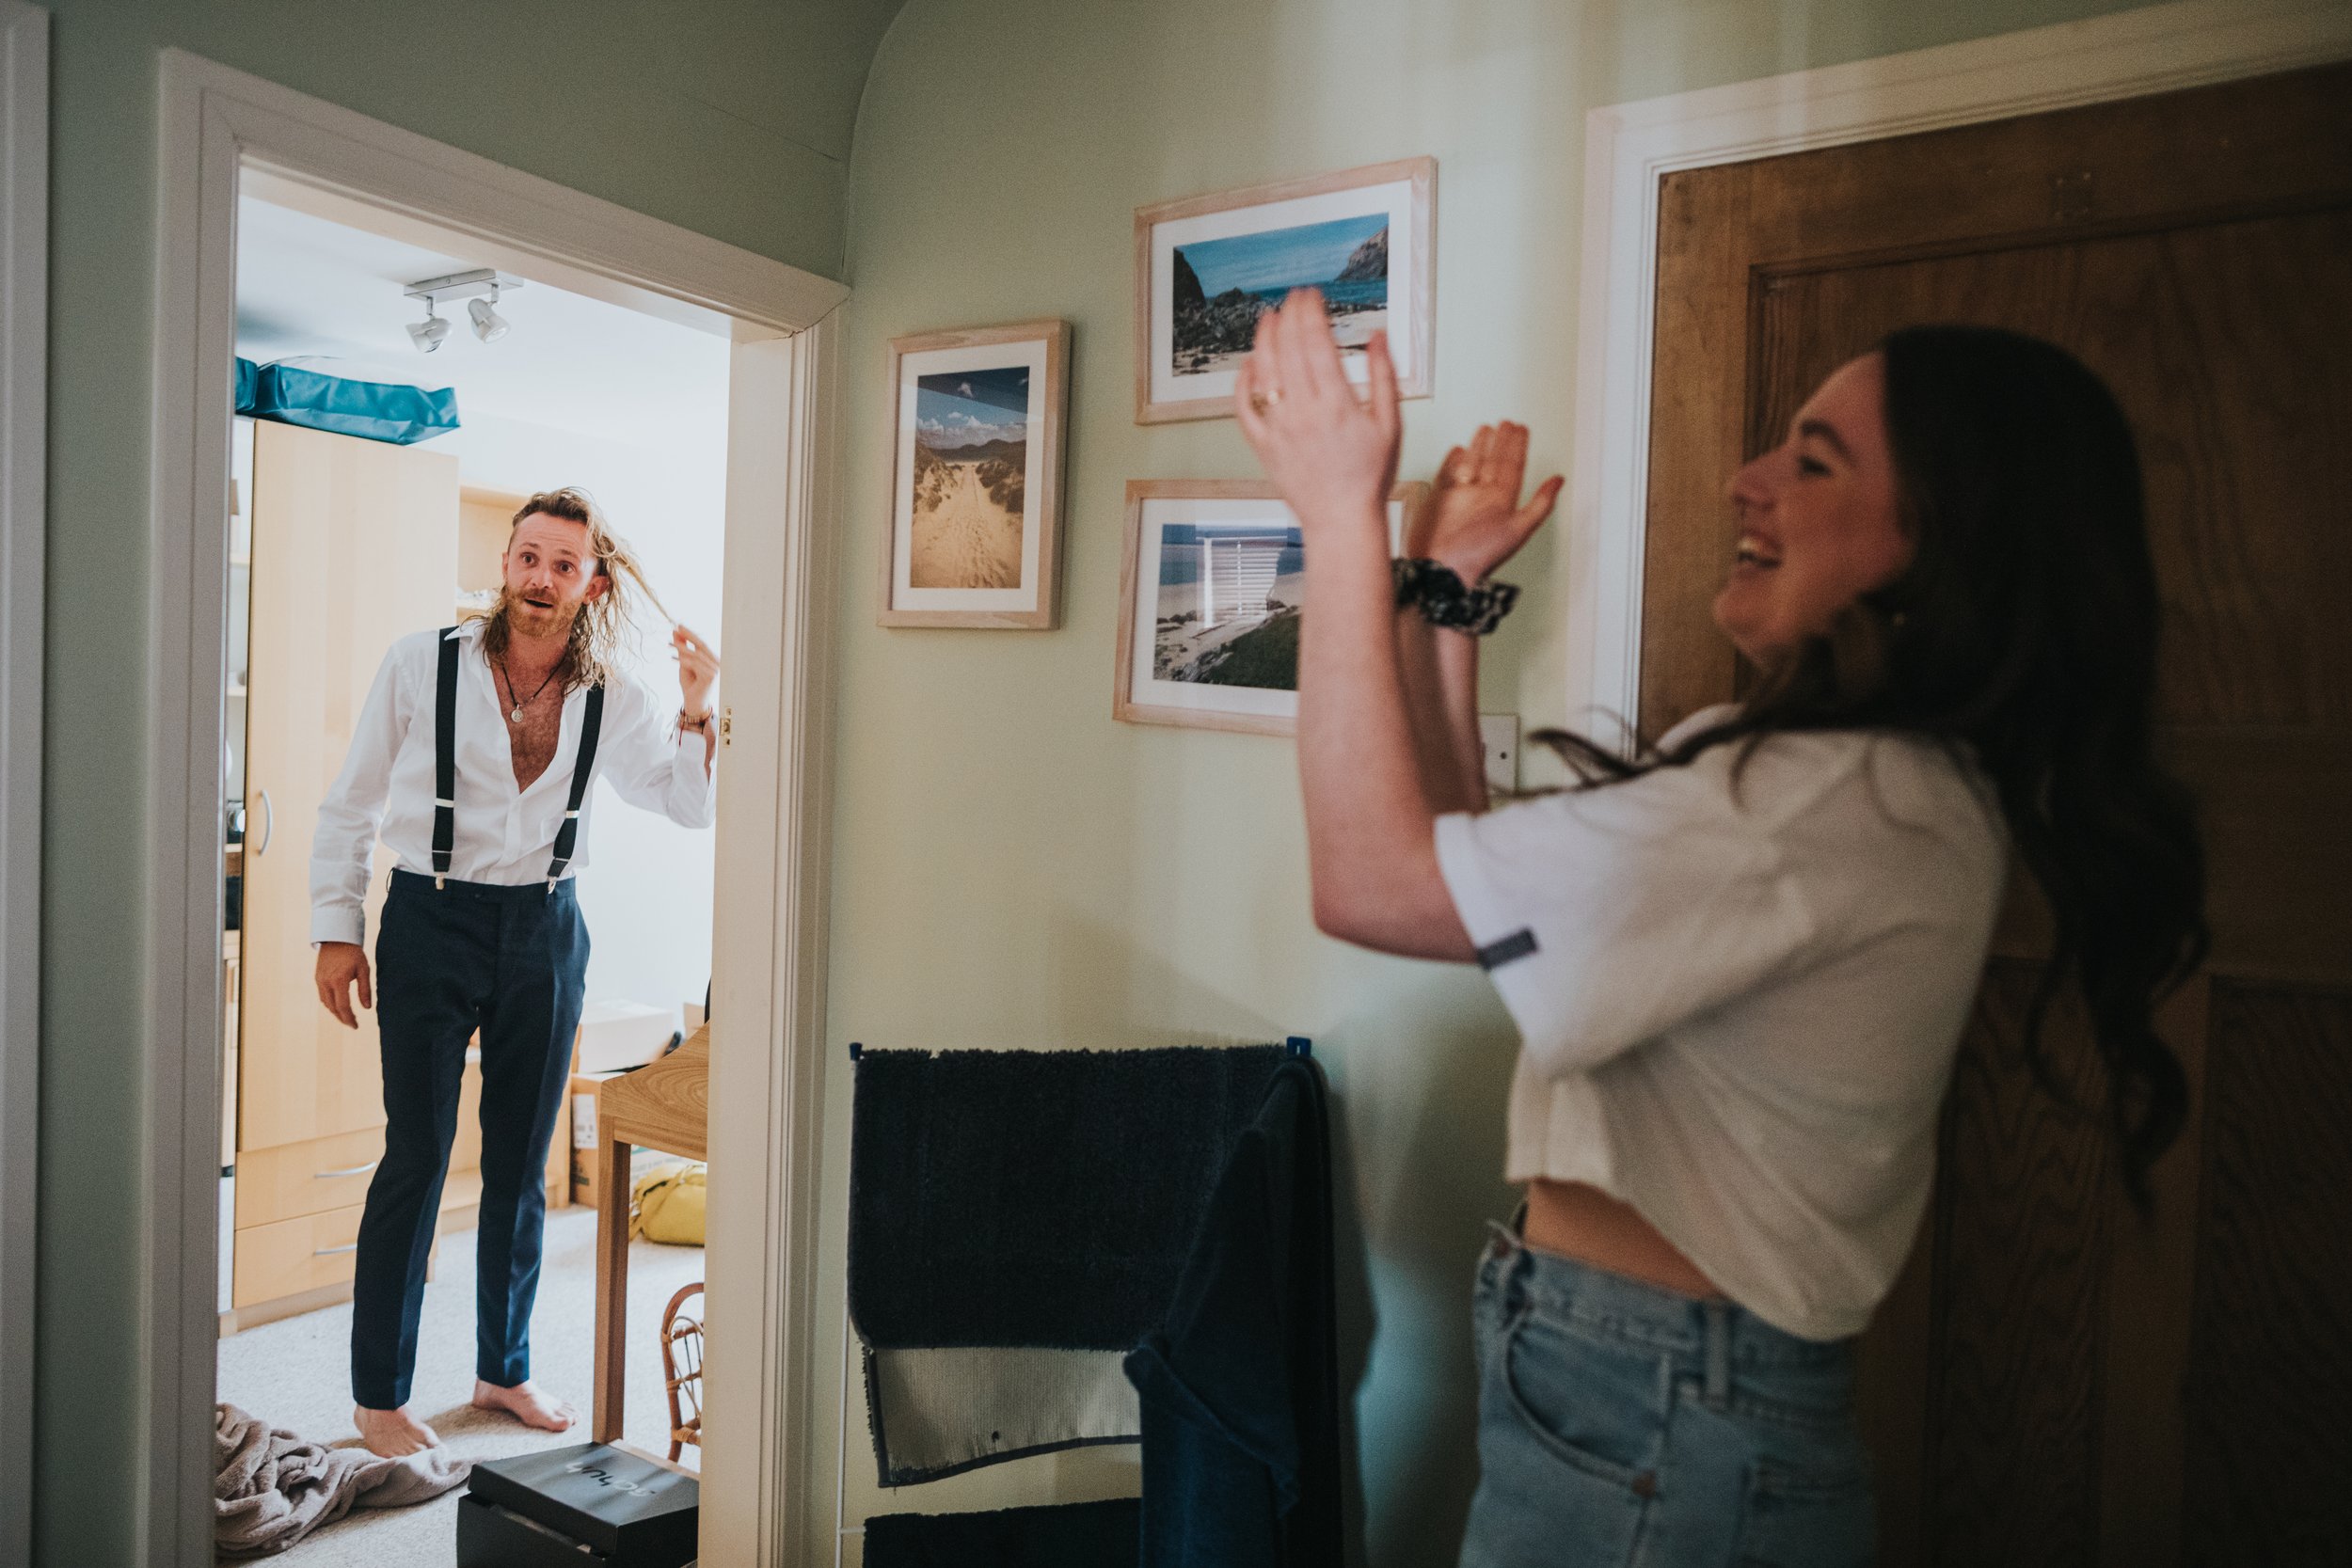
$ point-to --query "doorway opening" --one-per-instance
(228, 136)
(347, 531)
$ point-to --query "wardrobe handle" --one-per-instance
(332, 1251)
(331, 1175)
(269, 822)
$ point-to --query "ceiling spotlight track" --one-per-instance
(479, 288)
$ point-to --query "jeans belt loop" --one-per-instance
(1718, 1354)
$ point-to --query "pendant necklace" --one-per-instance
(515, 715)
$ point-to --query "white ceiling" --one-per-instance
(309, 286)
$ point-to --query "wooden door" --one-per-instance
(2054, 1381)
(355, 545)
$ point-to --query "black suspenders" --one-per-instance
(590, 722)
(445, 768)
(445, 758)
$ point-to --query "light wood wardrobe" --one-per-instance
(355, 545)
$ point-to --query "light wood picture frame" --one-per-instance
(976, 421)
(1206, 266)
(1208, 619)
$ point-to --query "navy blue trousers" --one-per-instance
(512, 962)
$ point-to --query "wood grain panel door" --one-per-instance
(355, 543)
(2054, 1380)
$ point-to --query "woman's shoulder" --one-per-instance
(1822, 785)
(1863, 785)
(1783, 778)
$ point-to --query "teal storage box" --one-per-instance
(373, 410)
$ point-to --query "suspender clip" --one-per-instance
(439, 884)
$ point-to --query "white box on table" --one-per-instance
(623, 1034)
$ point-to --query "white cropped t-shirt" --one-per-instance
(1738, 1011)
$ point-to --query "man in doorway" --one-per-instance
(474, 757)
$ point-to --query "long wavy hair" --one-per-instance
(2024, 631)
(606, 627)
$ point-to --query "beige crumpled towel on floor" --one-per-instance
(272, 1488)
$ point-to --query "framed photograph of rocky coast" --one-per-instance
(975, 422)
(1210, 599)
(1207, 267)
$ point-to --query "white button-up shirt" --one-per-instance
(506, 835)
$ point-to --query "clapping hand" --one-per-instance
(1474, 522)
(1331, 453)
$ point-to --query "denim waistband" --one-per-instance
(1713, 1332)
(415, 883)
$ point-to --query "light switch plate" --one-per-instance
(1500, 732)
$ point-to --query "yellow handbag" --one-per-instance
(666, 1203)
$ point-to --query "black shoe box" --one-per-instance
(588, 1504)
(490, 1537)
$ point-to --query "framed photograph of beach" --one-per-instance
(1208, 267)
(975, 422)
(1210, 598)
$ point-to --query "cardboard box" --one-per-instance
(580, 1108)
(579, 1112)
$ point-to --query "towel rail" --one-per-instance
(1292, 1045)
(1295, 1045)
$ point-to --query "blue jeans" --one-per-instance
(1621, 1423)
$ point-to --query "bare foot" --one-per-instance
(527, 1405)
(393, 1432)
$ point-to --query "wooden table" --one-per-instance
(665, 1105)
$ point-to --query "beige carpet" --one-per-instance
(296, 1374)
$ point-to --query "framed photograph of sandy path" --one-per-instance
(975, 422)
(1207, 267)
(1211, 597)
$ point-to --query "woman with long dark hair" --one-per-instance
(1741, 962)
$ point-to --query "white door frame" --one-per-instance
(220, 127)
(1630, 148)
(23, 523)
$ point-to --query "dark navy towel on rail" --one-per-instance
(1036, 1199)
(1240, 1385)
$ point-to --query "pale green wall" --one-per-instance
(1014, 868)
(729, 116)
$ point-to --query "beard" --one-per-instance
(525, 619)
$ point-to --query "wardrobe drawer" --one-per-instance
(306, 1177)
(293, 1255)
